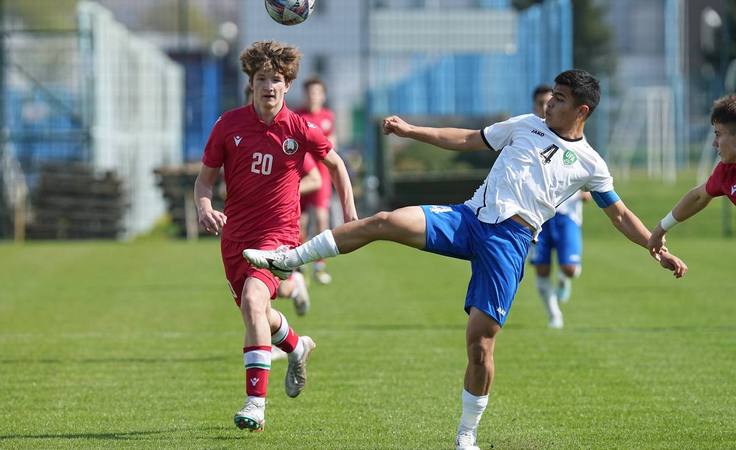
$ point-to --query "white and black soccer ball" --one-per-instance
(290, 12)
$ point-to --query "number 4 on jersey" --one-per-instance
(548, 153)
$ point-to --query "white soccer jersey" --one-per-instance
(573, 208)
(535, 172)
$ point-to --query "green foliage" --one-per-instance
(592, 38)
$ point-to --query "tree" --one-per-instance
(593, 48)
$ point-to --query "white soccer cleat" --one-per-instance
(272, 260)
(300, 294)
(322, 276)
(556, 323)
(251, 416)
(465, 440)
(296, 373)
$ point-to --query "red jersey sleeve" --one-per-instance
(317, 143)
(714, 184)
(308, 165)
(214, 151)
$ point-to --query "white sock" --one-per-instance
(473, 407)
(298, 351)
(319, 247)
(544, 286)
(280, 334)
(549, 298)
(259, 401)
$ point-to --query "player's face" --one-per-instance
(316, 96)
(269, 88)
(561, 110)
(725, 142)
(540, 103)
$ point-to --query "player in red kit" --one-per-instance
(318, 202)
(262, 147)
(721, 182)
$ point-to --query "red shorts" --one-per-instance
(321, 197)
(237, 269)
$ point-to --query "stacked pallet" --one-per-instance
(177, 185)
(73, 202)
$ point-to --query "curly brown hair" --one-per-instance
(271, 55)
(724, 111)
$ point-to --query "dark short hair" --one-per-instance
(585, 88)
(541, 89)
(724, 111)
(312, 81)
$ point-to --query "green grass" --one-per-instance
(139, 346)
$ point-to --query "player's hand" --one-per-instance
(396, 125)
(673, 263)
(350, 217)
(656, 241)
(212, 220)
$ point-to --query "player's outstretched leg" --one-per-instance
(405, 225)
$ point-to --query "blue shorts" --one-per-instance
(562, 234)
(496, 253)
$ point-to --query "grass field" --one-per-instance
(139, 346)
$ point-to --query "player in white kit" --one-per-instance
(539, 166)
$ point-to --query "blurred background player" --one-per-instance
(562, 233)
(317, 204)
(261, 147)
(721, 182)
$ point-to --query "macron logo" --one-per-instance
(254, 381)
(237, 140)
(733, 189)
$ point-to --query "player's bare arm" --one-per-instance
(690, 204)
(459, 139)
(310, 182)
(209, 219)
(631, 226)
(341, 181)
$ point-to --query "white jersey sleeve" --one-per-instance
(499, 135)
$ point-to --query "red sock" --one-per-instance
(257, 361)
(290, 341)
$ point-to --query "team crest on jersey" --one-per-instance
(569, 157)
(290, 146)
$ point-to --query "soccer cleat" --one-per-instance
(556, 323)
(465, 440)
(300, 294)
(296, 373)
(269, 259)
(251, 416)
(322, 276)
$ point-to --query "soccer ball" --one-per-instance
(289, 12)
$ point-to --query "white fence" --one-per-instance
(135, 108)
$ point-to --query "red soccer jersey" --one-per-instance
(324, 118)
(263, 166)
(722, 182)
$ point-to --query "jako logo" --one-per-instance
(501, 311)
(537, 132)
